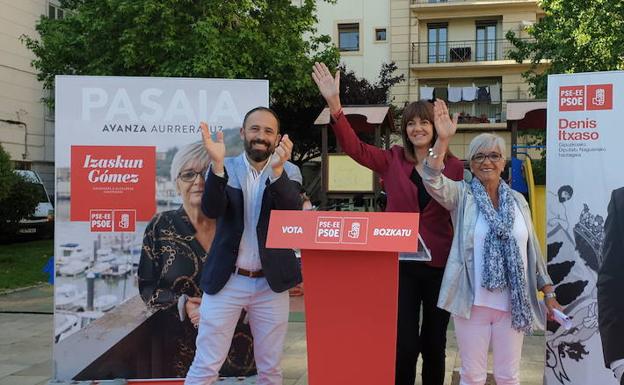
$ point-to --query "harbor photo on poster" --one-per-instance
(118, 141)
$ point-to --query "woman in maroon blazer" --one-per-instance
(419, 282)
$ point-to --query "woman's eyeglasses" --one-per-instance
(190, 175)
(492, 156)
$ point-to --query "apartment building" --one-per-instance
(456, 50)
(361, 31)
(26, 125)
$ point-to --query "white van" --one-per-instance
(41, 222)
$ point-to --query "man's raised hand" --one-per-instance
(215, 149)
(281, 155)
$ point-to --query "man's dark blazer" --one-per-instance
(223, 200)
(611, 281)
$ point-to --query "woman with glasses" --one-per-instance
(419, 282)
(495, 267)
(175, 246)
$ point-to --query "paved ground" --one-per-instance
(26, 344)
(26, 339)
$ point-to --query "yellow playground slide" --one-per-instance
(537, 201)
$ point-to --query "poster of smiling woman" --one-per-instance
(129, 174)
(584, 158)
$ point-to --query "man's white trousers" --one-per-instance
(219, 313)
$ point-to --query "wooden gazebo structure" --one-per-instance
(342, 177)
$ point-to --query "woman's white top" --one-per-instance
(498, 300)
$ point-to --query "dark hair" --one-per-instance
(566, 188)
(260, 108)
(422, 109)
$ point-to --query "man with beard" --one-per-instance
(240, 272)
(611, 285)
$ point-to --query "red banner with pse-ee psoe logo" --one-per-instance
(331, 230)
(113, 186)
(586, 97)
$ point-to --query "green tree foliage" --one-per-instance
(18, 197)
(573, 36)
(259, 39)
(255, 39)
(6, 174)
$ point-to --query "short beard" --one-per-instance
(258, 155)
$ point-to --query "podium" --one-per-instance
(350, 268)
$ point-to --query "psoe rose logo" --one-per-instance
(600, 97)
(124, 221)
(356, 230)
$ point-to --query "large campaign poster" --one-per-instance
(584, 158)
(115, 141)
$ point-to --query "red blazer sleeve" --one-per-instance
(367, 155)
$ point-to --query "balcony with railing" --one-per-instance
(476, 112)
(475, 101)
(461, 51)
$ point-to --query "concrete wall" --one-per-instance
(370, 15)
(403, 31)
(21, 92)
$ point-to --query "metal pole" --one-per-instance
(90, 290)
(514, 138)
(324, 165)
